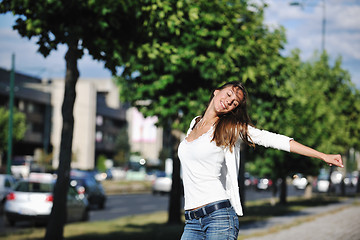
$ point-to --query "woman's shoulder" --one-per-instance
(193, 121)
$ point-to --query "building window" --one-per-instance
(21, 105)
(99, 136)
(30, 107)
(99, 120)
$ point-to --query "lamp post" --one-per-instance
(10, 125)
(323, 30)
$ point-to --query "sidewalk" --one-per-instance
(340, 221)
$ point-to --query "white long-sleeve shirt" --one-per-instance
(210, 173)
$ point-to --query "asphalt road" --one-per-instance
(133, 204)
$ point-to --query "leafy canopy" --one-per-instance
(193, 47)
(102, 27)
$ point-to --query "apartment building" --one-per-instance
(98, 118)
(32, 97)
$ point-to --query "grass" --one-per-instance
(153, 226)
(125, 187)
(263, 209)
(146, 226)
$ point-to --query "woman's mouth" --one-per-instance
(223, 105)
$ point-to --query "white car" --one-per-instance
(7, 183)
(264, 184)
(299, 181)
(322, 183)
(162, 185)
(32, 200)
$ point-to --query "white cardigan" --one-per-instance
(232, 160)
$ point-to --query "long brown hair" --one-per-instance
(232, 124)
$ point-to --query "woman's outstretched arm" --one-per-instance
(331, 159)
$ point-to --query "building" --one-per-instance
(33, 98)
(144, 136)
(98, 118)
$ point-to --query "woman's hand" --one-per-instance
(333, 159)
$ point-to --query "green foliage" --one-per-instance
(316, 104)
(123, 147)
(102, 27)
(19, 127)
(100, 163)
(192, 48)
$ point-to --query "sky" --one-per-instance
(303, 24)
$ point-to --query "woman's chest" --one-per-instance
(201, 151)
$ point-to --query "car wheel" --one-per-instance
(10, 222)
(85, 216)
(101, 205)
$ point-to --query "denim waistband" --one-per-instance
(207, 209)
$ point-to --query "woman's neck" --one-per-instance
(209, 117)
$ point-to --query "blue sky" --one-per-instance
(303, 30)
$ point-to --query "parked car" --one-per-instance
(32, 200)
(7, 183)
(162, 184)
(264, 184)
(93, 190)
(250, 181)
(299, 181)
(322, 183)
(21, 166)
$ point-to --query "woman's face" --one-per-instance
(227, 99)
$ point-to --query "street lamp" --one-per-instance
(300, 4)
(10, 124)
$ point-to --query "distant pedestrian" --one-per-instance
(210, 156)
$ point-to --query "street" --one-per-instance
(133, 204)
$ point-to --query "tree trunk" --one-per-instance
(308, 188)
(283, 191)
(358, 183)
(331, 188)
(274, 191)
(175, 195)
(176, 187)
(55, 227)
(243, 149)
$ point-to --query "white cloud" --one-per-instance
(29, 61)
(304, 29)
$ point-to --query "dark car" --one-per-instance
(93, 190)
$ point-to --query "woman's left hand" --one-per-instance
(333, 159)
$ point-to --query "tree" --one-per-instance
(19, 128)
(123, 147)
(103, 29)
(194, 47)
(100, 163)
(317, 108)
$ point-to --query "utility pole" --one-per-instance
(323, 26)
(11, 106)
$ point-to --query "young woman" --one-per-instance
(210, 156)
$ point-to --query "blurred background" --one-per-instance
(124, 135)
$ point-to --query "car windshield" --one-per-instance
(40, 187)
(323, 177)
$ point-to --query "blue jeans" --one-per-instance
(222, 224)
